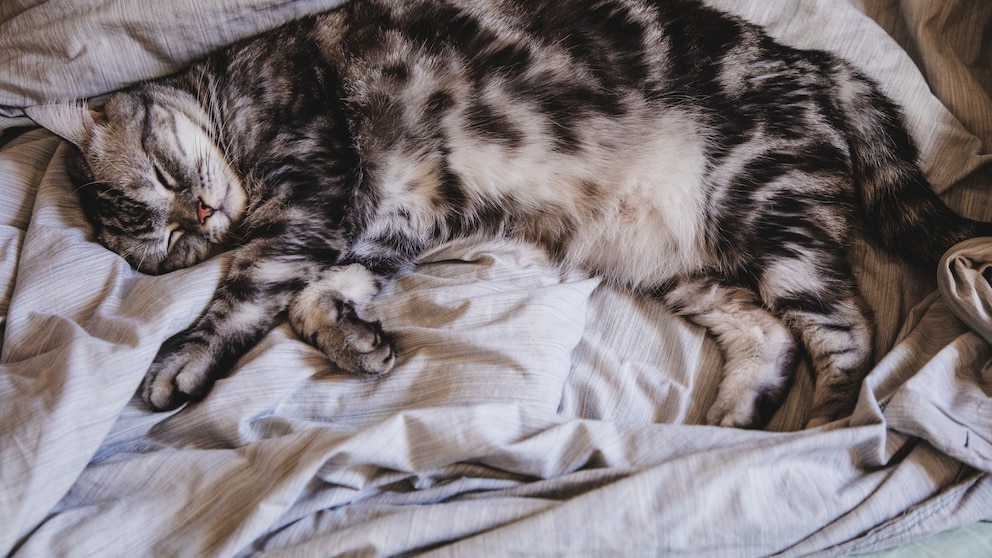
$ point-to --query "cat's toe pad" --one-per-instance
(160, 393)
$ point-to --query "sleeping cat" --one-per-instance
(671, 149)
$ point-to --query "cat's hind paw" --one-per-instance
(754, 386)
(748, 410)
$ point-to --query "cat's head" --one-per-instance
(153, 180)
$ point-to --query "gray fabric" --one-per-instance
(68, 49)
(529, 413)
(964, 279)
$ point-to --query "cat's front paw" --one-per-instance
(746, 406)
(354, 345)
(181, 372)
(365, 348)
(327, 315)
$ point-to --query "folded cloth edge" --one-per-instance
(963, 278)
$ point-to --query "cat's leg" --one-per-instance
(249, 301)
(759, 352)
(329, 315)
(827, 312)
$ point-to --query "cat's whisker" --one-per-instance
(77, 189)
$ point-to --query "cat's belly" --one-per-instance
(639, 247)
(648, 221)
(629, 205)
(649, 229)
(633, 201)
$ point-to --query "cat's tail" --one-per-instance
(899, 205)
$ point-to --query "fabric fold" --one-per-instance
(965, 280)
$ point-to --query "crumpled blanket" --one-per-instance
(965, 280)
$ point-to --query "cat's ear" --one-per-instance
(72, 122)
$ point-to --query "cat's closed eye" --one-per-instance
(166, 179)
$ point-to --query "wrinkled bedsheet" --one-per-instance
(530, 413)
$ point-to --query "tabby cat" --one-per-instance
(671, 149)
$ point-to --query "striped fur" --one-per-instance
(669, 148)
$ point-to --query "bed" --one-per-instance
(530, 413)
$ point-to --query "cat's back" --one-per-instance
(620, 44)
(515, 80)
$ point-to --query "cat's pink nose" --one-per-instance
(203, 211)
